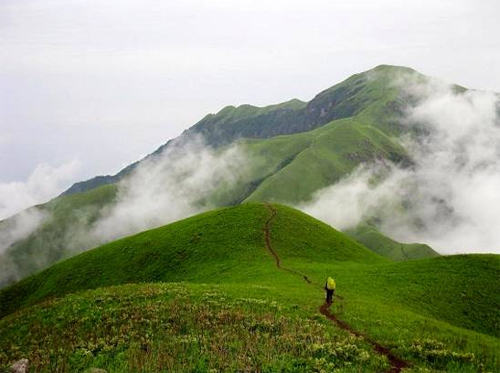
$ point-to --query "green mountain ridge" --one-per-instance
(309, 146)
(343, 100)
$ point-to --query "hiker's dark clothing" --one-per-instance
(330, 289)
(329, 294)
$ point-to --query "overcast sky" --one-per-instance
(88, 86)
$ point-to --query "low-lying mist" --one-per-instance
(450, 197)
(169, 187)
(172, 185)
(20, 226)
(12, 230)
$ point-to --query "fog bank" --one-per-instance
(170, 187)
(450, 197)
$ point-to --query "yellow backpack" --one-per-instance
(330, 284)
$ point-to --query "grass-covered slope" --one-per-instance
(225, 245)
(181, 328)
(329, 153)
(461, 290)
(369, 236)
(239, 310)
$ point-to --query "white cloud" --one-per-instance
(449, 198)
(20, 226)
(44, 183)
(173, 186)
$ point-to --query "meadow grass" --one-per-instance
(440, 314)
(181, 328)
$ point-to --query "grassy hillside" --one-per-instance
(332, 151)
(386, 247)
(181, 328)
(461, 290)
(235, 308)
(224, 245)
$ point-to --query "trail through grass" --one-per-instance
(119, 307)
(397, 364)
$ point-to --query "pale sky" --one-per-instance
(89, 86)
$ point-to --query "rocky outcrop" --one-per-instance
(20, 366)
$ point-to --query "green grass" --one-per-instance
(225, 245)
(181, 328)
(461, 290)
(440, 314)
(329, 153)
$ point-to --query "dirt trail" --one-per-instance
(267, 232)
(397, 364)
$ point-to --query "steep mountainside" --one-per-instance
(371, 94)
(309, 161)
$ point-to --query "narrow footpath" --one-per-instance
(396, 363)
(267, 231)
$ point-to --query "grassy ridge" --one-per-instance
(225, 245)
(439, 314)
(370, 94)
(332, 151)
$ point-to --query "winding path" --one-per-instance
(267, 232)
(397, 364)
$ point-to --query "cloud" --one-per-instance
(12, 230)
(21, 220)
(172, 186)
(20, 226)
(358, 197)
(449, 198)
(44, 183)
(182, 180)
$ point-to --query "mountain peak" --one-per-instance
(343, 100)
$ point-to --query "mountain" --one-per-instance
(369, 95)
(298, 148)
(239, 288)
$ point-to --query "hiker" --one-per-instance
(330, 289)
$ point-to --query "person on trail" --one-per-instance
(330, 289)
